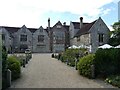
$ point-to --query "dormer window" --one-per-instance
(41, 30)
(58, 26)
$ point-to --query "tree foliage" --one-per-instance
(115, 39)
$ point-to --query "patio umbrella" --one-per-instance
(117, 46)
(105, 46)
(73, 46)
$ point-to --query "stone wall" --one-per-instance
(41, 47)
(8, 40)
(17, 35)
(83, 40)
(98, 28)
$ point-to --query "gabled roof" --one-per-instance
(77, 25)
(85, 29)
(11, 29)
(15, 29)
(58, 23)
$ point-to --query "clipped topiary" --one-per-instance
(84, 65)
(14, 66)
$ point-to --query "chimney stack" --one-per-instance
(81, 22)
(64, 23)
(49, 23)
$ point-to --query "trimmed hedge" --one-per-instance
(14, 66)
(84, 65)
(107, 62)
(71, 54)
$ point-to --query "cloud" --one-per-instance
(31, 12)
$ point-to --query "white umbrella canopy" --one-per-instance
(73, 46)
(117, 46)
(105, 46)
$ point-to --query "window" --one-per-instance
(3, 36)
(58, 26)
(23, 38)
(40, 38)
(101, 37)
(41, 30)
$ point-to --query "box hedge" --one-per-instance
(84, 65)
(14, 66)
(107, 62)
(70, 54)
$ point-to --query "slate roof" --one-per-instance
(77, 25)
(32, 29)
(11, 29)
(15, 29)
(66, 27)
(85, 29)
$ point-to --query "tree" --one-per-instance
(115, 35)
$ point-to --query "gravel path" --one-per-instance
(46, 72)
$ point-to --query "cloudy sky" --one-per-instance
(35, 13)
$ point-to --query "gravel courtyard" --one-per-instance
(46, 72)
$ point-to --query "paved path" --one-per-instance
(46, 72)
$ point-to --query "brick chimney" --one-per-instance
(81, 22)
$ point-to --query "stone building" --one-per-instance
(51, 39)
(56, 38)
(91, 34)
(19, 39)
(7, 38)
(59, 37)
(41, 41)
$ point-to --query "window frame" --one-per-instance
(23, 38)
(41, 38)
(101, 37)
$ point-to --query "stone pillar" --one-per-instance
(76, 61)
(24, 62)
(8, 78)
(93, 71)
(26, 58)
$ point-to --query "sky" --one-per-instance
(35, 13)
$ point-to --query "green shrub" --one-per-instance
(84, 65)
(71, 54)
(14, 66)
(114, 80)
(21, 58)
(107, 62)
